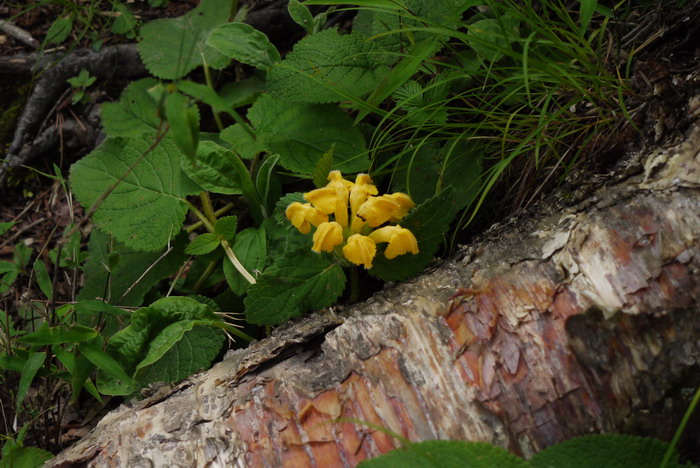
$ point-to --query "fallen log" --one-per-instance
(551, 327)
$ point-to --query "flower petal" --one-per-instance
(404, 203)
(360, 250)
(327, 236)
(303, 216)
(377, 210)
(400, 240)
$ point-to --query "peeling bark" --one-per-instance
(551, 329)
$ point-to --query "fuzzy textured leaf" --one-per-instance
(328, 67)
(301, 133)
(196, 350)
(155, 329)
(428, 222)
(155, 185)
(251, 249)
(245, 44)
(447, 454)
(171, 48)
(242, 142)
(203, 244)
(136, 111)
(296, 284)
(213, 169)
(605, 451)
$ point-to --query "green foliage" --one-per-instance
(215, 169)
(80, 83)
(428, 222)
(328, 67)
(153, 339)
(145, 181)
(171, 48)
(123, 276)
(599, 451)
(251, 247)
(244, 43)
(292, 286)
(301, 133)
(135, 113)
(59, 30)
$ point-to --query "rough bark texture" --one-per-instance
(552, 328)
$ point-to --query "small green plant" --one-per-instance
(80, 84)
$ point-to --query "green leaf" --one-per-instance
(215, 169)
(243, 92)
(125, 22)
(205, 94)
(195, 350)
(59, 30)
(488, 38)
(301, 15)
(171, 48)
(605, 450)
(60, 334)
(264, 176)
(328, 67)
(29, 370)
(242, 142)
(245, 44)
(127, 282)
(323, 168)
(586, 10)
(83, 80)
(152, 332)
(184, 123)
(447, 454)
(203, 244)
(251, 249)
(109, 366)
(9, 271)
(135, 113)
(428, 222)
(423, 172)
(43, 278)
(5, 227)
(302, 133)
(294, 285)
(155, 185)
(25, 457)
(226, 227)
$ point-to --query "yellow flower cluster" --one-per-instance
(355, 235)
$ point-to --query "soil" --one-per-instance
(665, 79)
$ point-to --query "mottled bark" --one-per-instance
(549, 328)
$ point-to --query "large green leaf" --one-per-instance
(59, 334)
(301, 133)
(153, 331)
(29, 370)
(171, 48)
(606, 451)
(251, 249)
(196, 350)
(214, 169)
(135, 113)
(147, 208)
(123, 276)
(328, 67)
(447, 454)
(294, 285)
(428, 222)
(245, 44)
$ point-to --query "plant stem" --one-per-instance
(354, 285)
(681, 427)
(207, 207)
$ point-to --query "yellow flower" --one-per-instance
(404, 203)
(327, 236)
(400, 240)
(333, 198)
(360, 250)
(359, 193)
(304, 215)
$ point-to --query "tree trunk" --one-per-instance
(550, 328)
